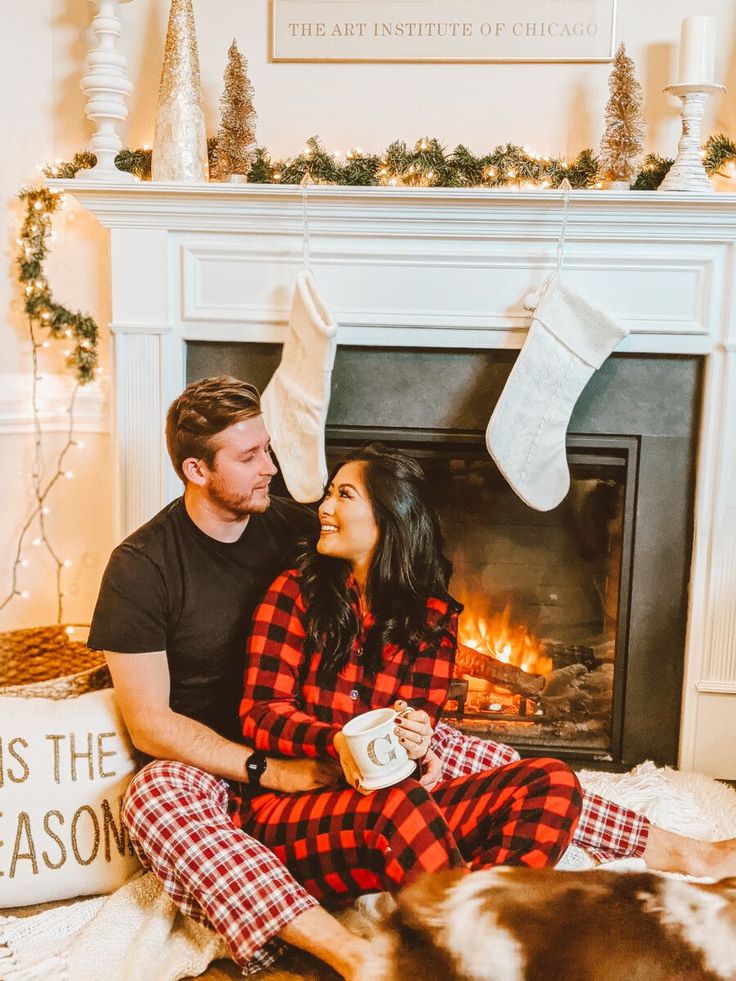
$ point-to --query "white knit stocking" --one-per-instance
(567, 341)
(297, 397)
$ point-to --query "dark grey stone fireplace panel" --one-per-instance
(402, 394)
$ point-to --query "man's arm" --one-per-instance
(142, 688)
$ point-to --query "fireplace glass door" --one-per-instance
(542, 634)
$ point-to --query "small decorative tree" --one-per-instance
(236, 139)
(623, 140)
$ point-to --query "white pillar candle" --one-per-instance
(698, 50)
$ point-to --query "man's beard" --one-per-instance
(237, 506)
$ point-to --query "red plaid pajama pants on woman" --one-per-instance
(606, 831)
(340, 844)
(178, 820)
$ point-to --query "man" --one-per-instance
(172, 615)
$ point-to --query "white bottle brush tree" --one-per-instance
(236, 138)
(623, 139)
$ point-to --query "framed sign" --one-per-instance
(443, 30)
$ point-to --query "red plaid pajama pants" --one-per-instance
(178, 820)
(340, 844)
(605, 830)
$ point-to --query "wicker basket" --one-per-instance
(44, 662)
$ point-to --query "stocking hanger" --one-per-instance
(565, 187)
(305, 182)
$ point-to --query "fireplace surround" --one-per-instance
(416, 270)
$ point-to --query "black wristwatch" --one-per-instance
(255, 766)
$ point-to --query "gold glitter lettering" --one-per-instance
(74, 756)
(96, 842)
(110, 828)
(55, 739)
(102, 753)
(24, 825)
(45, 855)
(18, 759)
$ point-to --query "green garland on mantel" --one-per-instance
(428, 164)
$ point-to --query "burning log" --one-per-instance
(478, 665)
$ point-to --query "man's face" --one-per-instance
(242, 469)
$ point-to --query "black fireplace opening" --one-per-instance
(542, 591)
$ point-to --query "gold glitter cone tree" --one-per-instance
(180, 142)
(236, 139)
(623, 140)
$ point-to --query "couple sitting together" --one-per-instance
(242, 634)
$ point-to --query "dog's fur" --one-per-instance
(513, 924)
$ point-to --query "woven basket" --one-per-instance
(44, 662)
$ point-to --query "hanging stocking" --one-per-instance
(296, 399)
(567, 341)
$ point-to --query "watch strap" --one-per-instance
(255, 766)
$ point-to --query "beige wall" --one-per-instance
(551, 108)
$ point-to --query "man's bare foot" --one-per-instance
(669, 852)
(320, 934)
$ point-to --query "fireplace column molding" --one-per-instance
(416, 267)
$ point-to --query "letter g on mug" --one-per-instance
(379, 756)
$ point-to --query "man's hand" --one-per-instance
(295, 776)
(413, 729)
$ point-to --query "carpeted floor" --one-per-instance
(687, 803)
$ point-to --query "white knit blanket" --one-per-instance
(137, 932)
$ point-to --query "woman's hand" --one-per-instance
(431, 771)
(350, 769)
(413, 729)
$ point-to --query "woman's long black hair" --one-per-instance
(408, 567)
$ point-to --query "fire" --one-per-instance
(498, 637)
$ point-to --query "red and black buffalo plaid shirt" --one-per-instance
(284, 708)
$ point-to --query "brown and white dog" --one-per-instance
(510, 924)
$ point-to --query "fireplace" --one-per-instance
(598, 586)
(541, 592)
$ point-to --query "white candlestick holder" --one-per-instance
(687, 173)
(107, 88)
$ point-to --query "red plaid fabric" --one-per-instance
(605, 830)
(340, 844)
(286, 711)
(177, 816)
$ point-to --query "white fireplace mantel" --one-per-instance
(418, 267)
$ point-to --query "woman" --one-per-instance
(367, 620)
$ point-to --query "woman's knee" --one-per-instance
(556, 778)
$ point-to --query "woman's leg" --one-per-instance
(340, 844)
(177, 817)
(605, 830)
(520, 814)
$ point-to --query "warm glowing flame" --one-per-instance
(498, 637)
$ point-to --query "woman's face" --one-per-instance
(349, 529)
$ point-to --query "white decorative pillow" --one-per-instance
(64, 767)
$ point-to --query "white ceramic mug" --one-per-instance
(377, 752)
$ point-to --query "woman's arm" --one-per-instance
(269, 711)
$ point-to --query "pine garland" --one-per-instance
(39, 304)
(426, 164)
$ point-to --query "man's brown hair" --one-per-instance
(202, 411)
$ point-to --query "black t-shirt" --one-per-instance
(169, 587)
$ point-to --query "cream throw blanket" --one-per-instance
(137, 932)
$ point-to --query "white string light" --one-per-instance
(41, 490)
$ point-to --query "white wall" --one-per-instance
(552, 108)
